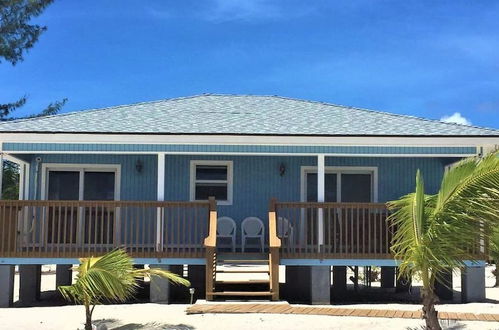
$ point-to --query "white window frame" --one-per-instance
(229, 181)
(81, 168)
(338, 170)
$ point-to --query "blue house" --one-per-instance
(312, 178)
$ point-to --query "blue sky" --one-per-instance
(423, 58)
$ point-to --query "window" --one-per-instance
(80, 225)
(345, 184)
(211, 178)
(80, 182)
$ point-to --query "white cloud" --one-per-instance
(227, 10)
(456, 118)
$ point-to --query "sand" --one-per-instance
(156, 316)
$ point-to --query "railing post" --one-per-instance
(274, 245)
(210, 244)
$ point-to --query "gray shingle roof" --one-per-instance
(241, 114)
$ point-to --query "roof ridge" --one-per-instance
(76, 112)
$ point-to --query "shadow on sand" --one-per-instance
(113, 324)
(445, 324)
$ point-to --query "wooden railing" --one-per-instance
(333, 230)
(82, 228)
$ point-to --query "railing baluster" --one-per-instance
(137, 229)
(143, 228)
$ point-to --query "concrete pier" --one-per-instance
(159, 290)
(63, 275)
(308, 284)
(443, 286)
(6, 285)
(403, 284)
(339, 282)
(197, 277)
(473, 284)
(387, 277)
(30, 277)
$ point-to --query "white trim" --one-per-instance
(248, 139)
(373, 170)
(1, 176)
(239, 153)
(161, 197)
(161, 177)
(230, 178)
(81, 168)
(321, 192)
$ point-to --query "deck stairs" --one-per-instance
(242, 276)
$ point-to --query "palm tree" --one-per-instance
(435, 233)
(494, 252)
(110, 278)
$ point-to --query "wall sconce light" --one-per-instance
(139, 165)
(282, 169)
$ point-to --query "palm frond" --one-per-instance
(111, 277)
(155, 272)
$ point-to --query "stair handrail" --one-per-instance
(211, 239)
(274, 245)
(274, 240)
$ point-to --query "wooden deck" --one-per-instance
(285, 308)
(73, 229)
(333, 230)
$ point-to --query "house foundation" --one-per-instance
(308, 284)
(473, 284)
(30, 277)
(387, 277)
(63, 275)
(6, 285)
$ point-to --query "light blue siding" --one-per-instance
(37, 147)
(256, 178)
(134, 185)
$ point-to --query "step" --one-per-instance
(244, 271)
(241, 293)
(242, 282)
(242, 261)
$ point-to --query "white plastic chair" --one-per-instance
(285, 230)
(226, 228)
(252, 227)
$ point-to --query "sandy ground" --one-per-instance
(155, 316)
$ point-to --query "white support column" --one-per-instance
(321, 192)
(161, 197)
(1, 176)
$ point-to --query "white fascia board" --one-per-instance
(311, 154)
(250, 139)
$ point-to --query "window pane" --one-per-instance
(211, 172)
(356, 188)
(330, 187)
(205, 190)
(64, 185)
(99, 186)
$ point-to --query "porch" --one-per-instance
(170, 229)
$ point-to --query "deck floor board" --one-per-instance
(284, 308)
